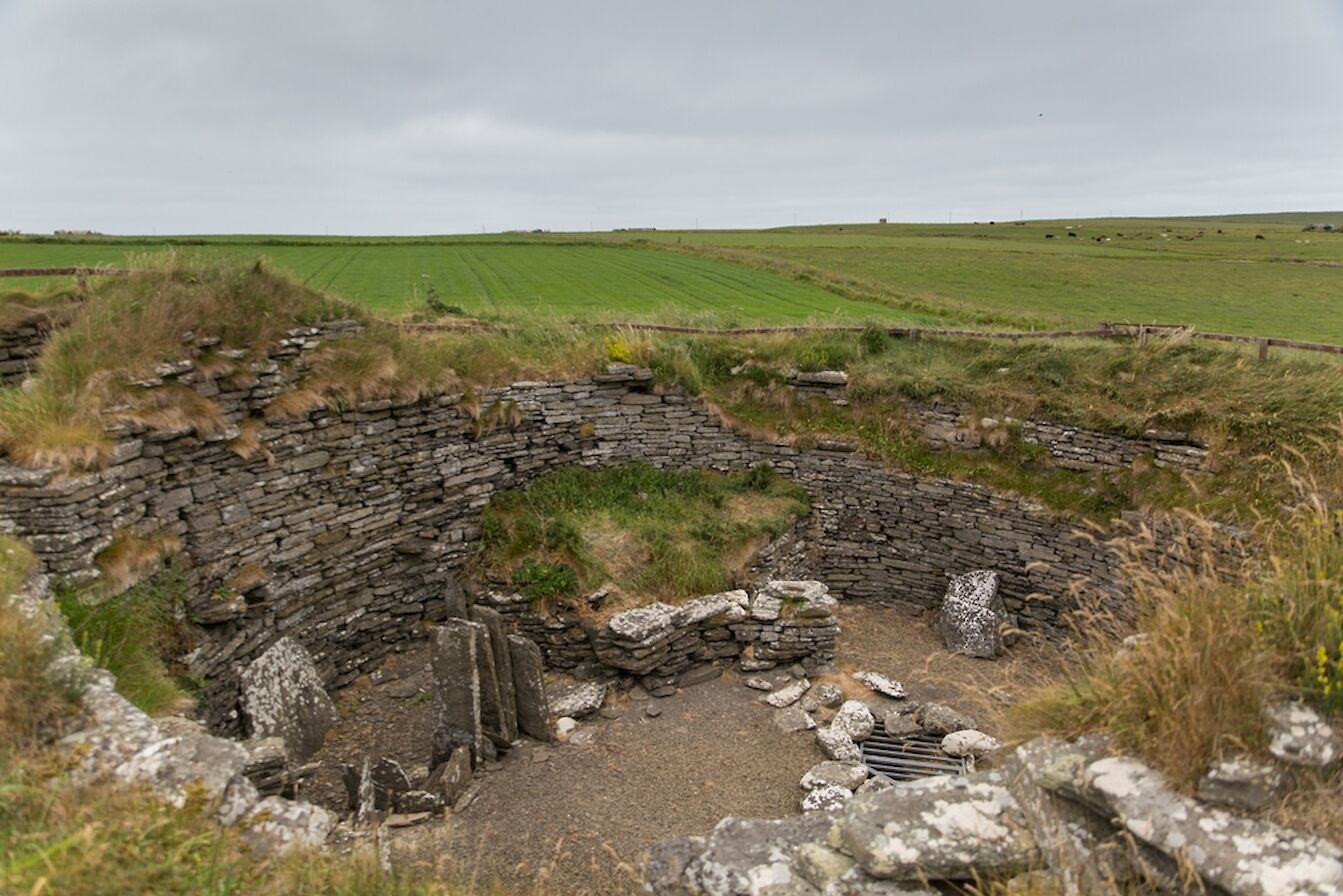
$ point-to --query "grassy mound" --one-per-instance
(638, 531)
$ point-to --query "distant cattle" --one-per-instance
(1259, 236)
(1049, 236)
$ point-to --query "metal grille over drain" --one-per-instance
(908, 758)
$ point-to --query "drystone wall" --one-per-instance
(662, 645)
(345, 529)
(20, 345)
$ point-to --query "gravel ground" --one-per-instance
(576, 818)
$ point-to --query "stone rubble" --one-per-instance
(970, 743)
(788, 694)
(1301, 736)
(854, 720)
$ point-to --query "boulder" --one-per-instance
(849, 775)
(973, 615)
(829, 695)
(970, 744)
(887, 687)
(529, 688)
(836, 744)
(739, 856)
(900, 724)
(579, 701)
(276, 825)
(642, 625)
(944, 828)
(936, 718)
(855, 720)
(282, 696)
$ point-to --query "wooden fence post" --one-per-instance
(1263, 349)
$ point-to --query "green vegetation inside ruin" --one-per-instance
(640, 532)
(137, 635)
(58, 306)
(1214, 645)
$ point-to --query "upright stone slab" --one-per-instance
(454, 658)
(454, 599)
(529, 686)
(973, 615)
(491, 702)
(503, 669)
(282, 696)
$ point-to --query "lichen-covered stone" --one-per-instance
(837, 745)
(1238, 855)
(826, 796)
(937, 718)
(973, 614)
(1301, 736)
(1242, 782)
(579, 701)
(278, 825)
(788, 694)
(849, 775)
(945, 828)
(283, 696)
(887, 687)
(970, 743)
(855, 720)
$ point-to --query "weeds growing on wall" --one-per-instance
(641, 531)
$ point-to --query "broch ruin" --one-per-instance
(341, 538)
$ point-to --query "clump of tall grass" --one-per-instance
(1213, 643)
(166, 309)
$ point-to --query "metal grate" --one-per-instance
(907, 758)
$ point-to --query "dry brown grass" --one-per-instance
(1213, 644)
(130, 558)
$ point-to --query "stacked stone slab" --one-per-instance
(1070, 447)
(831, 385)
(661, 645)
(455, 657)
(357, 520)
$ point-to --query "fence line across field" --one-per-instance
(1107, 329)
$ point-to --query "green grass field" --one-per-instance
(1214, 273)
(503, 280)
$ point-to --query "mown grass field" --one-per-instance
(1214, 274)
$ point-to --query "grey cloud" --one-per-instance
(436, 117)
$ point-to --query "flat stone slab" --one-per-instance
(875, 681)
(788, 694)
(579, 701)
(1245, 856)
(282, 696)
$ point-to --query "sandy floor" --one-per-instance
(576, 818)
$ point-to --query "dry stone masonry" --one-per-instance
(344, 529)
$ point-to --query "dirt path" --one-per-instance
(576, 818)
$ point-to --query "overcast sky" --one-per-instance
(338, 116)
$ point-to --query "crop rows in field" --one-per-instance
(500, 280)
